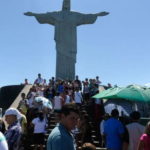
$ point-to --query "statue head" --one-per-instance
(66, 5)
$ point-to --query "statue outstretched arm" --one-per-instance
(42, 18)
(29, 14)
(102, 13)
(88, 18)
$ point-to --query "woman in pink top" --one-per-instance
(145, 139)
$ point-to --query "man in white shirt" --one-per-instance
(133, 132)
(106, 117)
(97, 81)
(30, 112)
(40, 91)
(39, 79)
(78, 97)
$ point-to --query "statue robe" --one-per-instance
(66, 23)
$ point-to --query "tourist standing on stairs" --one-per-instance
(87, 130)
(99, 108)
(86, 92)
(23, 122)
(67, 98)
(105, 118)
(61, 88)
(98, 82)
(79, 82)
(50, 92)
(133, 132)
(45, 84)
(61, 137)
(93, 92)
(53, 83)
(13, 134)
(30, 112)
(23, 104)
(39, 80)
(58, 102)
(40, 91)
(78, 97)
(43, 108)
(39, 130)
(113, 130)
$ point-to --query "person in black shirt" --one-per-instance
(78, 81)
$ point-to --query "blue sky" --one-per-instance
(116, 47)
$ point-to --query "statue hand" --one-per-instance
(29, 14)
(103, 13)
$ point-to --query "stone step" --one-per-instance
(51, 125)
(52, 122)
(52, 117)
(95, 138)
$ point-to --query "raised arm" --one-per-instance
(88, 18)
(29, 14)
(43, 17)
(102, 13)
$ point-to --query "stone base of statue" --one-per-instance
(65, 67)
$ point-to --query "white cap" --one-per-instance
(13, 111)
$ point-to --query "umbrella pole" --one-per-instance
(135, 106)
(116, 104)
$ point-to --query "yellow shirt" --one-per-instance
(23, 121)
(23, 106)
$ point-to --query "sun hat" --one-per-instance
(13, 111)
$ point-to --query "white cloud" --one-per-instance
(147, 84)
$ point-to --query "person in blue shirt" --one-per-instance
(61, 137)
(113, 130)
(61, 88)
(50, 92)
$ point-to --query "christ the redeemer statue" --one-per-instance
(66, 22)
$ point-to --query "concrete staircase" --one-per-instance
(28, 141)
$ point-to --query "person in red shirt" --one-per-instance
(26, 81)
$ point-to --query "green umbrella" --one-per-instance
(131, 92)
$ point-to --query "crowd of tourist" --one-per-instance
(72, 124)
